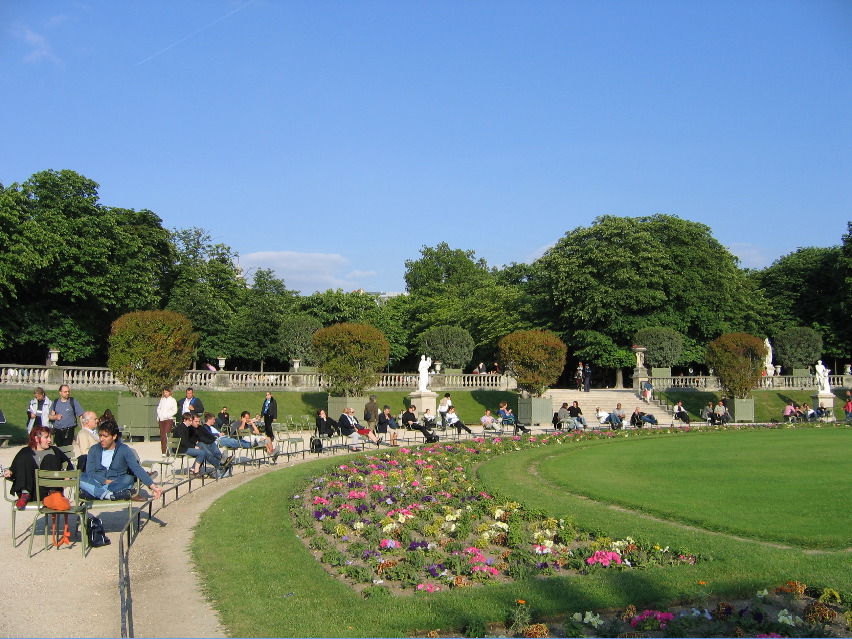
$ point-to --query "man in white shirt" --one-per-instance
(166, 411)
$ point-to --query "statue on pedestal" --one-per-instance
(423, 369)
(822, 377)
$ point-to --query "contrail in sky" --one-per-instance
(195, 33)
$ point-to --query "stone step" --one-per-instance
(606, 400)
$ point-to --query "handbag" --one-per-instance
(57, 501)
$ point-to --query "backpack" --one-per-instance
(316, 444)
(96, 533)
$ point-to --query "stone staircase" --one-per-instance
(606, 399)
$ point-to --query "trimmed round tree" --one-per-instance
(350, 357)
(451, 345)
(738, 361)
(664, 345)
(295, 338)
(534, 358)
(150, 350)
(798, 347)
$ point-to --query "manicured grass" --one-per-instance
(779, 485)
(768, 404)
(250, 559)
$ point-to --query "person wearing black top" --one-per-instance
(269, 410)
(326, 427)
(409, 420)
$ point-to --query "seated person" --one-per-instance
(233, 439)
(577, 413)
(223, 418)
(821, 411)
(38, 454)
(111, 468)
(387, 422)
(808, 413)
(790, 412)
(409, 420)
(326, 427)
(563, 417)
(86, 437)
(680, 413)
(350, 427)
(707, 413)
(487, 420)
(616, 417)
(639, 419)
(721, 412)
(429, 420)
(454, 421)
(508, 418)
(602, 415)
(206, 437)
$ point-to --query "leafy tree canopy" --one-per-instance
(441, 268)
(798, 347)
(664, 345)
(622, 274)
(295, 336)
(451, 345)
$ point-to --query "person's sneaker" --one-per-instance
(121, 495)
(22, 502)
(86, 496)
(275, 454)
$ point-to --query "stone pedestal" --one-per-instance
(640, 374)
(827, 399)
(423, 400)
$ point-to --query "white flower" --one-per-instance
(358, 525)
(593, 619)
(763, 593)
(577, 617)
(785, 616)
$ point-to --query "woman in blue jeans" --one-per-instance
(109, 465)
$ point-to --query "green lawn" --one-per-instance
(250, 559)
(789, 486)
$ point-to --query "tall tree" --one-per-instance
(73, 266)
(622, 274)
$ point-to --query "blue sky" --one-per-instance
(331, 140)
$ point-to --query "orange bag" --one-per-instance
(57, 501)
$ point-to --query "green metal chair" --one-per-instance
(64, 480)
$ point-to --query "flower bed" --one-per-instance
(416, 520)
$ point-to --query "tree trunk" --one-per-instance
(619, 377)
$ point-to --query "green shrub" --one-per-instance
(350, 357)
(535, 358)
(377, 592)
(738, 361)
(150, 350)
(295, 338)
(664, 345)
(798, 347)
(450, 345)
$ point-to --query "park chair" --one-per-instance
(173, 455)
(12, 499)
(60, 480)
(254, 449)
(112, 504)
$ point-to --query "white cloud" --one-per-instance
(40, 49)
(751, 255)
(308, 272)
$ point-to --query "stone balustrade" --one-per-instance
(100, 378)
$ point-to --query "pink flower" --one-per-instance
(604, 558)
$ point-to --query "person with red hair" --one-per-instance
(38, 454)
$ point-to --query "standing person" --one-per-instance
(847, 408)
(578, 377)
(38, 454)
(587, 378)
(64, 415)
(371, 413)
(191, 404)
(495, 369)
(269, 411)
(444, 406)
(166, 411)
(38, 410)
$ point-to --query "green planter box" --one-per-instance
(742, 410)
(661, 372)
(337, 404)
(535, 411)
(139, 415)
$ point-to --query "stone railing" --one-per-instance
(100, 378)
(777, 382)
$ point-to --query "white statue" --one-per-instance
(822, 377)
(767, 361)
(423, 368)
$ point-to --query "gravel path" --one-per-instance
(167, 599)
